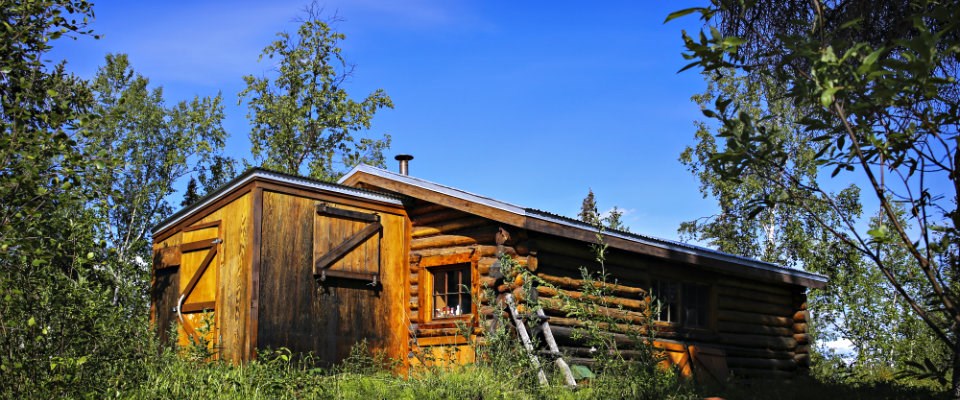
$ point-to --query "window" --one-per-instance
(695, 304)
(666, 293)
(451, 291)
(683, 304)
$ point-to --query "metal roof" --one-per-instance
(576, 224)
(264, 174)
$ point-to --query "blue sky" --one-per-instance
(528, 102)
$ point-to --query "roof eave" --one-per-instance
(260, 174)
(523, 217)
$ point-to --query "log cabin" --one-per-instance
(273, 260)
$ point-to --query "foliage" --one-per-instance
(84, 171)
(209, 176)
(215, 174)
(591, 215)
(304, 115)
(156, 146)
(60, 333)
(278, 375)
(809, 388)
(876, 88)
(588, 209)
(779, 233)
(859, 304)
(614, 220)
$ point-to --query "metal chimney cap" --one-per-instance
(404, 163)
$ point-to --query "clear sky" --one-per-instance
(527, 102)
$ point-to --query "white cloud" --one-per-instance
(842, 347)
(212, 43)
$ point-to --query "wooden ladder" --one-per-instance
(553, 350)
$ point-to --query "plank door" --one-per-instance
(198, 278)
(346, 264)
(166, 291)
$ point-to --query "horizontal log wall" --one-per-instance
(443, 236)
(760, 327)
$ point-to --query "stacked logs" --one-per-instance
(559, 263)
(801, 319)
(441, 235)
(757, 325)
(757, 330)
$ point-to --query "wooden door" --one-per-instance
(198, 277)
(347, 266)
(327, 313)
(166, 291)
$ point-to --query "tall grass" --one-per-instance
(276, 375)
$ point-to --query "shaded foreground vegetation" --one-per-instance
(365, 377)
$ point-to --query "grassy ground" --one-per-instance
(364, 378)
(277, 377)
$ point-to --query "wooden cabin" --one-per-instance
(273, 260)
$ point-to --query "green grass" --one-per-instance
(172, 377)
(277, 375)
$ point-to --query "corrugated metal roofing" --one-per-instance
(260, 173)
(573, 223)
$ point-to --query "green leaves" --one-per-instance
(687, 11)
(879, 233)
(85, 189)
(870, 60)
(872, 94)
(826, 97)
(302, 117)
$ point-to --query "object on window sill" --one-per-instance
(447, 312)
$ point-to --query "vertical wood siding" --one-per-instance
(233, 301)
(224, 283)
(326, 318)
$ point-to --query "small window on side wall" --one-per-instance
(667, 295)
(451, 291)
(695, 305)
(682, 304)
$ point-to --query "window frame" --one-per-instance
(682, 285)
(431, 290)
(426, 285)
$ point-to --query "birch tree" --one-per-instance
(302, 116)
(156, 145)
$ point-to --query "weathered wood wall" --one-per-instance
(163, 298)
(200, 304)
(298, 311)
(165, 286)
(225, 284)
(233, 301)
(266, 294)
